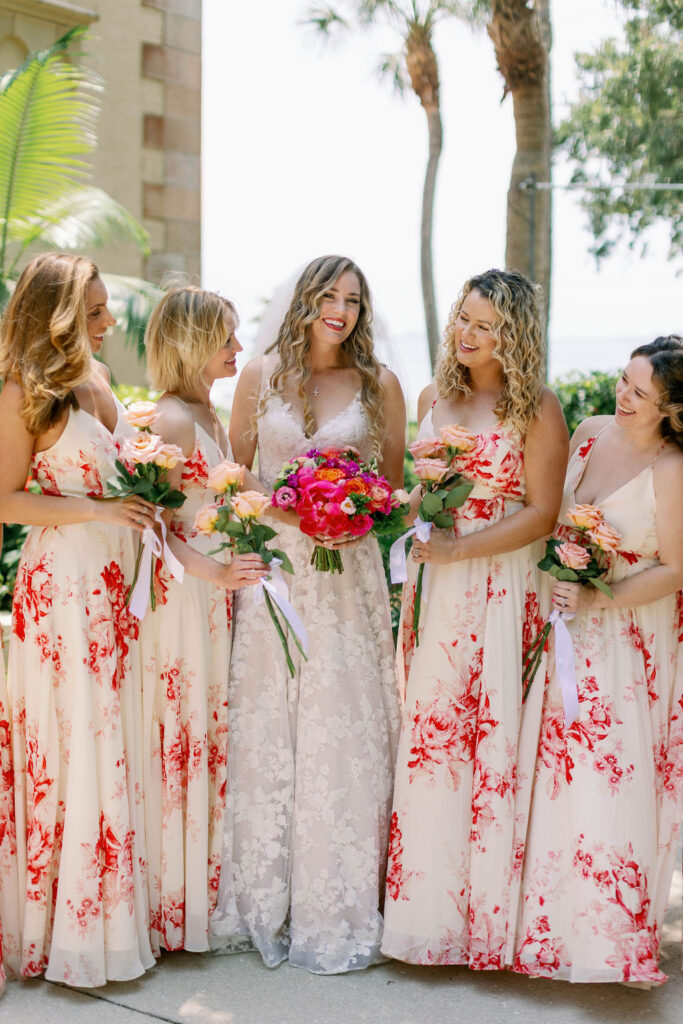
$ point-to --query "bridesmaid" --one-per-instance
(185, 643)
(74, 690)
(9, 910)
(608, 793)
(460, 801)
(311, 767)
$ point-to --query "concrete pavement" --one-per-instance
(186, 988)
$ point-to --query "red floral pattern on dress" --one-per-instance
(32, 594)
(195, 470)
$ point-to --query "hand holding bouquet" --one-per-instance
(444, 490)
(584, 562)
(336, 494)
(142, 469)
(237, 516)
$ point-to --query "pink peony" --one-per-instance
(605, 537)
(458, 437)
(224, 476)
(573, 555)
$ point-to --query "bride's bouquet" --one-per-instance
(236, 514)
(335, 493)
(577, 554)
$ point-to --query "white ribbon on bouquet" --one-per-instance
(152, 548)
(398, 565)
(564, 665)
(278, 590)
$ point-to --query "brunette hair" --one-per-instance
(44, 343)
(518, 331)
(665, 355)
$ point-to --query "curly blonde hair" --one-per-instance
(293, 344)
(186, 329)
(518, 331)
(44, 343)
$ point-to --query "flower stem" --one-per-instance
(131, 588)
(532, 659)
(283, 638)
(418, 604)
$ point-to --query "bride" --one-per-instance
(310, 764)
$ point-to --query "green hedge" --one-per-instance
(581, 395)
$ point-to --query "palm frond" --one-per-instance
(84, 218)
(131, 301)
(392, 66)
(325, 20)
(48, 111)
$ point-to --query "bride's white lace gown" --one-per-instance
(310, 759)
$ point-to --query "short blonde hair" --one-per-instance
(186, 329)
(44, 342)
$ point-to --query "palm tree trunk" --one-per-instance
(426, 231)
(522, 38)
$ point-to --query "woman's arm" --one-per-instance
(176, 426)
(545, 464)
(650, 584)
(243, 416)
(20, 506)
(393, 450)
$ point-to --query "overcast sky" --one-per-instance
(306, 151)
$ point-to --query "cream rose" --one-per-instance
(430, 470)
(141, 448)
(167, 456)
(605, 537)
(428, 447)
(458, 437)
(206, 519)
(141, 414)
(586, 517)
(224, 476)
(402, 497)
(573, 555)
(250, 504)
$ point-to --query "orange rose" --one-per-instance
(329, 474)
(605, 537)
(426, 448)
(573, 555)
(141, 414)
(431, 470)
(168, 455)
(458, 437)
(250, 504)
(585, 516)
(206, 518)
(356, 486)
(225, 475)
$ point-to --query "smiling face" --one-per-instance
(98, 316)
(339, 311)
(224, 362)
(638, 394)
(475, 344)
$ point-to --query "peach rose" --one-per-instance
(431, 470)
(458, 437)
(206, 519)
(249, 504)
(573, 555)
(167, 456)
(141, 448)
(428, 447)
(225, 475)
(141, 414)
(605, 537)
(585, 516)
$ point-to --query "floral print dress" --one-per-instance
(608, 793)
(9, 908)
(311, 759)
(185, 647)
(74, 694)
(464, 769)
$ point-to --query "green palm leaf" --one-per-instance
(48, 111)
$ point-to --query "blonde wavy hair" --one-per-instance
(186, 329)
(293, 344)
(44, 343)
(518, 332)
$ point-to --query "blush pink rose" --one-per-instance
(573, 555)
(431, 470)
(458, 437)
(250, 504)
(401, 496)
(428, 447)
(586, 517)
(225, 475)
(141, 448)
(168, 455)
(605, 537)
(141, 414)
